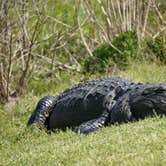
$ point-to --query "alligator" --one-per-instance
(90, 105)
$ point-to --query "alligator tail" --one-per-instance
(42, 111)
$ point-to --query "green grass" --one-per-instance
(139, 143)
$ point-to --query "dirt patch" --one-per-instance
(11, 103)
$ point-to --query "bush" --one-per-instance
(126, 43)
(157, 47)
(93, 64)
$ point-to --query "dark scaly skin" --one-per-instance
(140, 102)
(42, 111)
(77, 97)
(91, 105)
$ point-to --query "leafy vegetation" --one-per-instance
(124, 50)
(41, 39)
(157, 48)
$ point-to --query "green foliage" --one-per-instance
(145, 72)
(58, 40)
(127, 43)
(157, 47)
(162, 6)
(93, 64)
(39, 87)
(50, 83)
(126, 49)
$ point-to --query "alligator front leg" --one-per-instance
(94, 124)
(42, 111)
(121, 112)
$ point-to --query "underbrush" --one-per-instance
(139, 143)
(124, 50)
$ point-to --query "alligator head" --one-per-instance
(147, 100)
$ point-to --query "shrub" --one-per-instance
(157, 47)
(93, 64)
(126, 43)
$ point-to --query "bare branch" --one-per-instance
(158, 13)
(83, 38)
(9, 66)
(59, 65)
(159, 32)
(145, 18)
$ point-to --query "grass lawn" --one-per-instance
(140, 143)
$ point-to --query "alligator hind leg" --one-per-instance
(91, 125)
(42, 111)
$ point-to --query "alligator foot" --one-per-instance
(92, 125)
